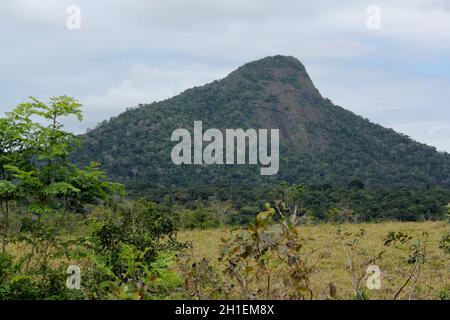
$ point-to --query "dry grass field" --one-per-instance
(332, 264)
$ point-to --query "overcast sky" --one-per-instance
(129, 52)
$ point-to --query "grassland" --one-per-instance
(326, 247)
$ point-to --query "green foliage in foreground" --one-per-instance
(43, 196)
(272, 259)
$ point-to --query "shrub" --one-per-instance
(199, 218)
(125, 247)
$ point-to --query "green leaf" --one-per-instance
(63, 188)
(7, 188)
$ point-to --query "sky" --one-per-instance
(391, 65)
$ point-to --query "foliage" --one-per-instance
(414, 261)
(255, 261)
(40, 179)
(125, 246)
(357, 259)
(444, 243)
(45, 192)
(317, 203)
(198, 218)
(201, 280)
(138, 231)
(289, 202)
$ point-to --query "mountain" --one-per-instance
(320, 143)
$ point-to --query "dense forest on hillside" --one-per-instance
(320, 143)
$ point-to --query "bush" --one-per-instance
(125, 246)
(198, 218)
(264, 260)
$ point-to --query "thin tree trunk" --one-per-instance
(33, 248)
(405, 284)
(5, 233)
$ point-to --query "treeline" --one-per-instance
(322, 203)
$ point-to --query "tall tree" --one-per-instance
(36, 172)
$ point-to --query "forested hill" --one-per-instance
(320, 143)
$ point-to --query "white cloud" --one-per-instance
(48, 13)
(411, 103)
(145, 84)
(434, 133)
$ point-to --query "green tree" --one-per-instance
(290, 202)
(15, 147)
(221, 210)
(38, 175)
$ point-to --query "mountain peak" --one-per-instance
(283, 74)
(273, 63)
(277, 61)
(320, 143)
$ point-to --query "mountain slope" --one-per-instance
(320, 143)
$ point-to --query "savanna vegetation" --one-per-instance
(58, 218)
